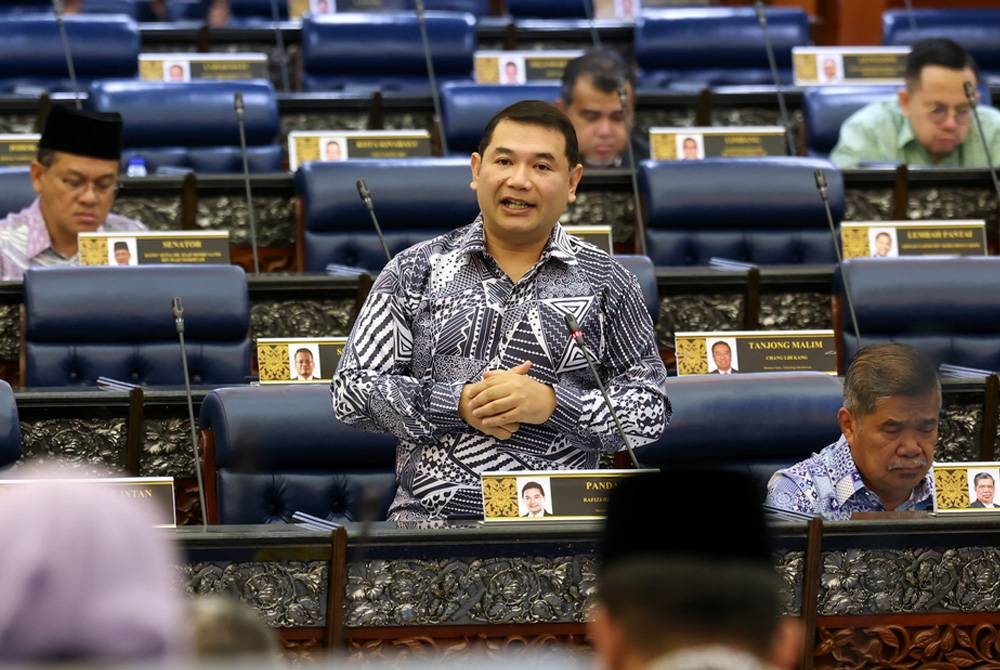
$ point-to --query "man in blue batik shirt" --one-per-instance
(892, 399)
(461, 349)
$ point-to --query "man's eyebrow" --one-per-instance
(544, 155)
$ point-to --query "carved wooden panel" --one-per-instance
(476, 645)
(968, 644)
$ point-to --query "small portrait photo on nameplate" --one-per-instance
(599, 236)
(181, 67)
(556, 495)
(340, 145)
(202, 247)
(697, 142)
(626, 10)
(966, 488)
(18, 149)
(735, 352)
(833, 66)
(522, 67)
(157, 493)
(889, 239)
(298, 360)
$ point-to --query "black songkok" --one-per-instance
(83, 133)
(700, 514)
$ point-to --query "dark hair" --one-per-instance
(121, 245)
(46, 157)
(535, 113)
(937, 51)
(884, 234)
(981, 475)
(532, 485)
(606, 69)
(305, 349)
(885, 370)
(662, 604)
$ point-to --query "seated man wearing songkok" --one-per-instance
(75, 175)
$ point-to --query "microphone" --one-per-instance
(782, 108)
(57, 8)
(588, 11)
(824, 195)
(178, 312)
(252, 219)
(435, 94)
(913, 19)
(577, 335)
(279, 40)
(640, 229)
(970, 95)
(366, 197)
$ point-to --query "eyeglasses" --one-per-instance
(103, 188)
(939, 113)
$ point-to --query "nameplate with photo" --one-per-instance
(297, 8)
(889, 239)
(18, 149)
(599, 236)
(155, 492)
(629, 9)
(549, 495)
(337, 145)
(734, 352)
(298, 360)
(966, 488)
(522, 67)
(182, 66)
(207, 247)
(838, 66)
(697, 142)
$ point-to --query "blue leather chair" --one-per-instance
(366, 52)
(257, 11)
(755, 423)
(32, 56)
(755, 210)
(85, 322)
(194, 125)
(16, 191)
(415, 200)
(826, 108)
(271, 451)
(946, 307)
(10, 427)
(715, 46)
(975, 29)
(466, 108)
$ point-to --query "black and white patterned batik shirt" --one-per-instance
(442, 312)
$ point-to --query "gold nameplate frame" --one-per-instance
(298, 360)
(700, 353)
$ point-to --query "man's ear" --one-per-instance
(36, 170)
(474, 165)
(607, 637)
(788, 643)
(903, 95)
(848, 425)
(574, 180)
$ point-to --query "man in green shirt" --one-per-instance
(929, 122)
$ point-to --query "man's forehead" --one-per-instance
(937, 80)
(515, 131)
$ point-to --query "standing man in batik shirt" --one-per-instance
(461, 349)
(75, 175)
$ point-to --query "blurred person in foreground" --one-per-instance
(690, 596)
(86, 577)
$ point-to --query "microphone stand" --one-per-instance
(178, 312)
(251, 219)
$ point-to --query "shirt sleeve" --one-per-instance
(857, 138)
(373, 387)
(633, 375)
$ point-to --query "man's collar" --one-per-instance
(848, 482)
